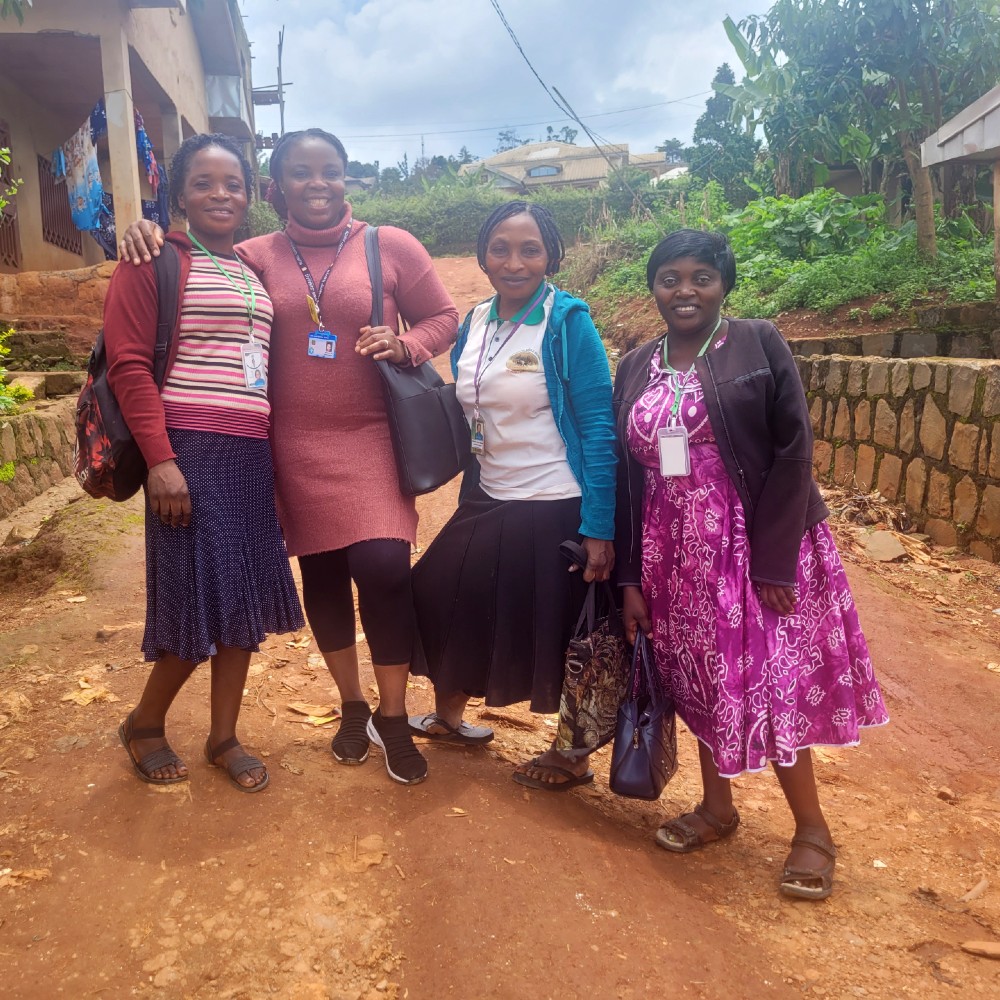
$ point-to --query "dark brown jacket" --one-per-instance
(760, 418)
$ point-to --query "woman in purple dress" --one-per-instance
(725, 558)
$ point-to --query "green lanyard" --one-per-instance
(676, 375)
(251, 302)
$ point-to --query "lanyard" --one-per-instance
(477, 379)
(675, 375)
(316, 294)
(249, 301)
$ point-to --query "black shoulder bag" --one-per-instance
(430, 435)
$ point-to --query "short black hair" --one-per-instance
(282, 148)
(551, 240)
(180, 164)
(706, 248)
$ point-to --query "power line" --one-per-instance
(564, 106)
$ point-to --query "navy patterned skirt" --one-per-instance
(225, 579)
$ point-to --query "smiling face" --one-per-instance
(214, 197)
(312, 182)
(516, 261)
(689, 295)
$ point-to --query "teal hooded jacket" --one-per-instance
(579, 384)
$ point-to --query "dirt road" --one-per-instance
(336, 884)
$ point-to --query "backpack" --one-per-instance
(108, 462)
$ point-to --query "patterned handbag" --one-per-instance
(644, 756)
(595, 679)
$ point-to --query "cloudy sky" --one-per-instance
(381, 74)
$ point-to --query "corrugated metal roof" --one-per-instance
(973, 134)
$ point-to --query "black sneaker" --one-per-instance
(404, 762)
(350, 745)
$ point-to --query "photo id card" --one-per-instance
(478, 436)
(675, 458)
(322, 344)
(252, 355)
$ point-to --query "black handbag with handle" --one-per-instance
(644, 754)
(430, 435)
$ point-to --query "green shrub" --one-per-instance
(880, 311)
(11, 396)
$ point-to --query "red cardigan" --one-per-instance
(130, 311)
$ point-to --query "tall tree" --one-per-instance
(722, 150)
(673, 150)
(870, 77)
(507, 138)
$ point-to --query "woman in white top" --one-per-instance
(495, 604)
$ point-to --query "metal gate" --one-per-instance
(10, 243)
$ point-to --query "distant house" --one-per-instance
(184, 65)
(562, 165)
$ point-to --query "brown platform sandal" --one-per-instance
(155, 759)
(681, 837)
(791, 876)
(241, 765)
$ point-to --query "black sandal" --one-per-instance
(155, 759)
(240, 765)
(351, 744)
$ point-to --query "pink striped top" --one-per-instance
(206, 389)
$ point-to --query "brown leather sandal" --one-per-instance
(792, 877)
(681, 837)
(240, 765)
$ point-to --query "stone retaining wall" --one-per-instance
(36, 451)
(907, 343)
(925, 432)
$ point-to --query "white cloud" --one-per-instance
(381, 73)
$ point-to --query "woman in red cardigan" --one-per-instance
(217, 573)
(338, 493)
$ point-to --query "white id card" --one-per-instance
(252, 355)
(675, 458)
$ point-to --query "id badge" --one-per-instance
(252, 355)
(322, 344)
(478, 436)
(675, 457)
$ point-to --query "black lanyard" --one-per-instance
(314, 293)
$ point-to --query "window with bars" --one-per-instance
(57, 220)
(10, 244)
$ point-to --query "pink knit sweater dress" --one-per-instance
(335, 475)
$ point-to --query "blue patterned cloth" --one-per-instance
(224, 580)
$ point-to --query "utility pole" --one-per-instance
(281, 89)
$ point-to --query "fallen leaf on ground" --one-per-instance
(289, 765)
(299, 642)
(993, 668)
(16, 707)
(316, 715)
(976, 891)
(9, 877)
(88, 693)
(72, 741)
(457, 811)
(984, 949)
(76, 600)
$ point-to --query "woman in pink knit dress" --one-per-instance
(338, 494)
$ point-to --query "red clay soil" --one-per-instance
(337, 883)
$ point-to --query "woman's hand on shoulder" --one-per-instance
(141, 242)
(635, 614)
(600, 560)
(779, 599)
(382, 344)
(168, 494)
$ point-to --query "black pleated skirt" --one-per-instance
(224, 580)
(495, 603)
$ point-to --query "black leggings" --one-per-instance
(380, 569)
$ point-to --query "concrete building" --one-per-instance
(562, 165)
(183, 64)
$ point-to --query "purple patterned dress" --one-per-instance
(754, 686)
